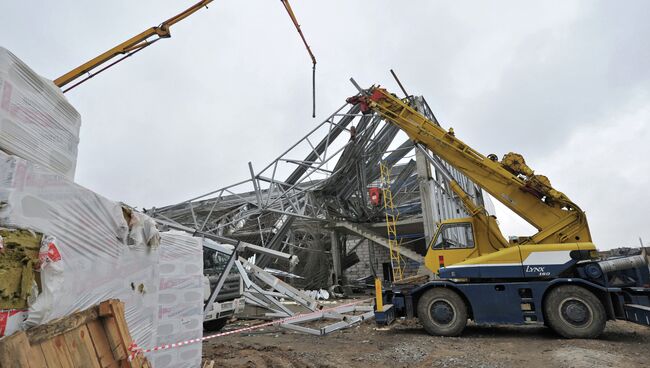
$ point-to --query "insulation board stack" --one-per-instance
(89, 252)
(180, 300)
(91, 249)
(36, 121)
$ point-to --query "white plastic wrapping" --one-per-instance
(143, 230)
(85, 255)
(180, 300)
(36, 121)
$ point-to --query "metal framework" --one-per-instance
(346, 317)
(315, 195)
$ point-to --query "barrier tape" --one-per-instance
(135, 350)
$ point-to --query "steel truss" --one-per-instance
(294, 203)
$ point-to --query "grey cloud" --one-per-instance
(233, 85)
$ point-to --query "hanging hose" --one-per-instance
(313, 90)
(311, 55)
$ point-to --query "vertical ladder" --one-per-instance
(397, 264)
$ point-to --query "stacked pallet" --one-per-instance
(65, 248)
(37, 122)
(179, 314)
(97, 337)
(86, 240)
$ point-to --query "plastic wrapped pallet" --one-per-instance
(180, 300)
(86, 256)
(36, 121)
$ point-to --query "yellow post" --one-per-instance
(379, 297)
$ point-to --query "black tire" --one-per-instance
(215, 325)
(442, 312)
(574, 312)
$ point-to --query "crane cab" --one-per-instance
(473, 247)
(454, 242)
(458, 240)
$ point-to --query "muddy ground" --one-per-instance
(406, 344)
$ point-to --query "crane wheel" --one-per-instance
(574, 312)
(442, 312)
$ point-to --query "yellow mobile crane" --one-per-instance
(551, 277)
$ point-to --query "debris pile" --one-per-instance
(321, 200)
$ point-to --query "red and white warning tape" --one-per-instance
(135, 350)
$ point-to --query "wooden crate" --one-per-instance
(95, 338)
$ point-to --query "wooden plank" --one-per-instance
(61, 350)
(118, 309)
(106, 309)
(51, 356)
(45, 332)
(118, 312)
(14, 351)
(102, 346)
(114, 339)
(36, 357)
(81, 348)
(95, 338)
(117, 333)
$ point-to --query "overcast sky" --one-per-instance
(566, 83)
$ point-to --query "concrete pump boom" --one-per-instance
(126, 48)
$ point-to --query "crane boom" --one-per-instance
(553, 277)
(511, 181)
(127, 48)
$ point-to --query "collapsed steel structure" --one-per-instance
(312, 200)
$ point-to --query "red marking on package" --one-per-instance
(51, 255)
(24, 110)
(169, 283)
(5, 321)
(4, 316)
(5, 102)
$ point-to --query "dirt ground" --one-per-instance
(406, 344)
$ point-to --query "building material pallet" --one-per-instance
(97, 337)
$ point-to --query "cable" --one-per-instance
(311, 54)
